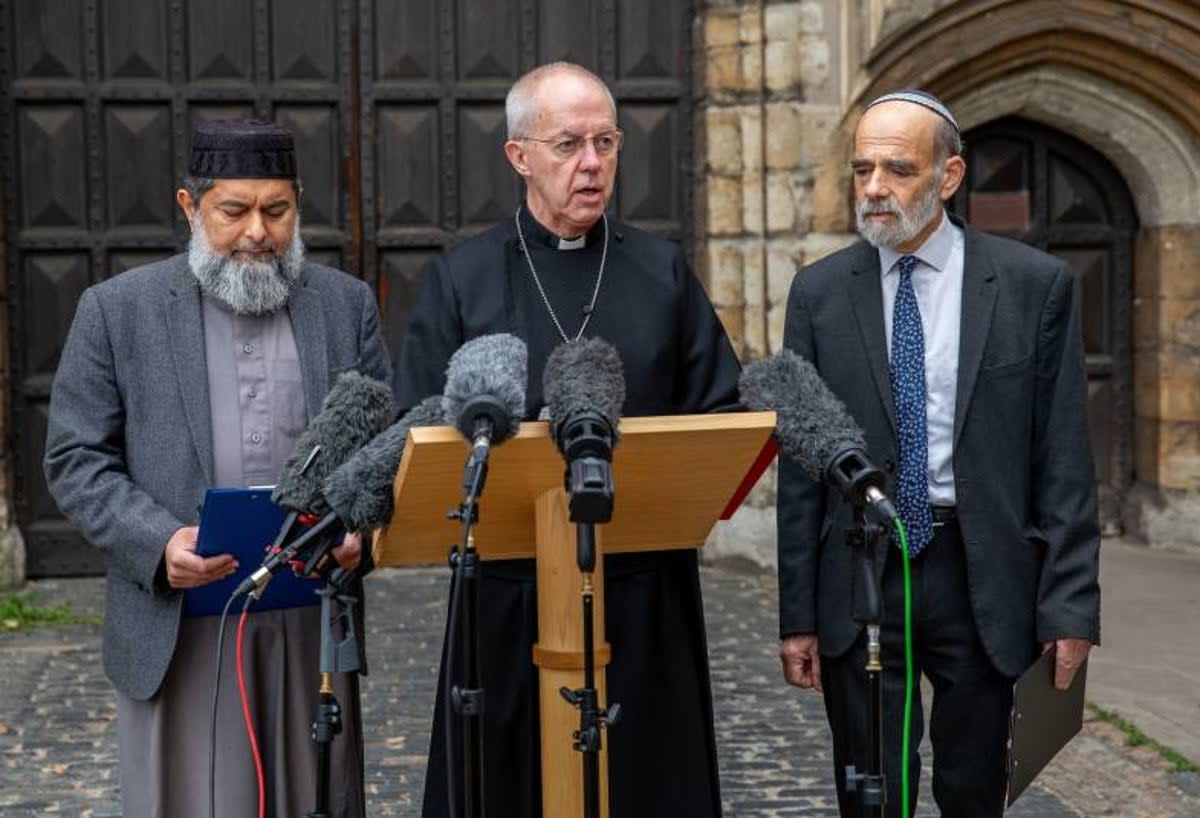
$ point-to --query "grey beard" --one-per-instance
(247, 287)
(908, 223)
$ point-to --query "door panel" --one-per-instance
(398, 111)
(99, 103)
(52, 148)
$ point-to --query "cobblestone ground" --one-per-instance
(57, 733)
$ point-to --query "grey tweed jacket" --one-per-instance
(129, 440)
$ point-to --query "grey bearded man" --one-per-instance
(960, 356)
(190, 373)
(559, 269)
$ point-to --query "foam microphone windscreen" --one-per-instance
(812, 424)
(360, 490)
(584, 375)
(355, 409)
(491, 370)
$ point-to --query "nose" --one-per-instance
(875, 187)
(588, 158)
(256, 228)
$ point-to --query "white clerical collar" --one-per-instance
(577, 243)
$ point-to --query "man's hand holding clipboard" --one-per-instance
(1047, 711)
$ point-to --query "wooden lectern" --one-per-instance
(673, 477)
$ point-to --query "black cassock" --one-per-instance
(677, 360)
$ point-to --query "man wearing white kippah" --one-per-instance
(960, 356)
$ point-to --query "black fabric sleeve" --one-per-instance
(434, 333)
(1064, 479)
(85, 456)
(373, 353)
(708, 369)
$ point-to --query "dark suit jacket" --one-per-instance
(1024, 479)
(129, 439)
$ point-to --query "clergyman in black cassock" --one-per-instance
(677, 360)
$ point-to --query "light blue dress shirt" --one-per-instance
(937, 282)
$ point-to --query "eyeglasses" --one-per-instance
(565, 146)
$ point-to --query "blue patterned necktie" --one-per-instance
(908, 396)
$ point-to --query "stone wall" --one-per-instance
(771, 82)
(1165, 504)
(1167, 358)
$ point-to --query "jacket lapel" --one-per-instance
(866, 298)
(978, 301)
(308, 328)
(185, 329)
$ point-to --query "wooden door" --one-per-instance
(398, 113)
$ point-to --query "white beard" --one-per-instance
(908, 223)
(247, 287)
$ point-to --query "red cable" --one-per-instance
(258, 768)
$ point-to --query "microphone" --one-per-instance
(485, 398)
(815, 429)
(360, 490)
(584, 385)
(355, 409)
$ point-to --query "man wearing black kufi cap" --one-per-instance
(960, 355)
(182, 375)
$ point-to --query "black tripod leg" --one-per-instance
(468, 700)
(590, 719)
(326, 725)
(868, 785)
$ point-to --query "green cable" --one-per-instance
(908, 666)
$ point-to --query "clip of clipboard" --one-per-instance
(244, 522)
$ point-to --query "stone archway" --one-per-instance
(1156, 154)
(1122, 78)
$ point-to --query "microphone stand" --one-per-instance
(587, 739)
(344, 656)
(468, 699)
(862, 536)
(859, 480)
(589, 481)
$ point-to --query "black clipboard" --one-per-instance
(1043, 720)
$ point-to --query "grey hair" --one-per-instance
(197, 186)
(947, 142)
(520, 109)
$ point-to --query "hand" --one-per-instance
(186, 569)
(801, 661)
(349, 553)
(1069, 656)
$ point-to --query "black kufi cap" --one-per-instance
(242, 149)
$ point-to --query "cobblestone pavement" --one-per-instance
(57, 731)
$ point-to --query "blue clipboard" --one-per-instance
(244, 522)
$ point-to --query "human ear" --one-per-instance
(515, 152)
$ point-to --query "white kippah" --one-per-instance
(922, 98)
